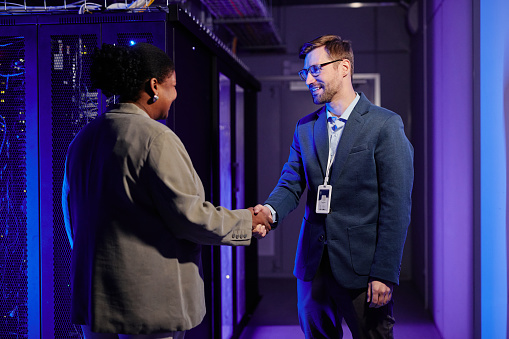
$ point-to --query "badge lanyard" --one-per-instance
(330, 161)
(324, 192)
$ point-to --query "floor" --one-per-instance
(276, 314)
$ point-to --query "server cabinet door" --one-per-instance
(19, 217)
(67, 103)
(226, 200)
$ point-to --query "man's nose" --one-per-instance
(310, 79)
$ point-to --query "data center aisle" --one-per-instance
(276, 315)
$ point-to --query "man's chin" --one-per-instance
(318, 100)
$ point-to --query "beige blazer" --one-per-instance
(135, 215)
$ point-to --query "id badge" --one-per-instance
(323, 199)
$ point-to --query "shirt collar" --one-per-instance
(349, 109)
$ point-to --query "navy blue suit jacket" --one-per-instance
(371, 178)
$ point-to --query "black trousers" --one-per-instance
(323, 304)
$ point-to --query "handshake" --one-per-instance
(262, 220)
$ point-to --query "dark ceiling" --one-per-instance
(331, 2)
(250, 22)
(247, 21)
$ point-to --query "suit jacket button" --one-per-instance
(321, 238)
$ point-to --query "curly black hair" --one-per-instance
(125, 70)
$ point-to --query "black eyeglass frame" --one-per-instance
(314, 69)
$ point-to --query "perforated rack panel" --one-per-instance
(66, 93)
(13, 188)
(19, 255)
(73, 105)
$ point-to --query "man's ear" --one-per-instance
(345, 67)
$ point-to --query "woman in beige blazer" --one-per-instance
(135, 211)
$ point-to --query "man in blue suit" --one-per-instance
(357, 165)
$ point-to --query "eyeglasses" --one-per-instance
(314, 69)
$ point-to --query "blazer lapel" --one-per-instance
(321, 137)
(352, 129)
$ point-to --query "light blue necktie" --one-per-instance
(336, 123)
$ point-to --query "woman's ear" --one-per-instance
(152, 90)
(153, 85)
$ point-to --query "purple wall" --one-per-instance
(469, 95)
(451, 110)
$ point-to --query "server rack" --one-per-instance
(53, 100)
(19, 196)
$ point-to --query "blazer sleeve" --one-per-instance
(179, 198)
(286, 195)
(394, 163)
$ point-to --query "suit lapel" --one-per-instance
(321, 137)
(350, 133)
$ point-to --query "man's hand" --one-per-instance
(261, 224)
(259, 231)
(264, 210)
(379, 293)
